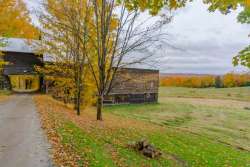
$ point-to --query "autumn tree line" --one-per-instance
(205, 81)
(88, 41)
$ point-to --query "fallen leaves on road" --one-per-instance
(62, 155)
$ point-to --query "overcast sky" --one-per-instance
(206, 41)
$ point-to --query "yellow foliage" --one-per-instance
(228, 80)
(15, 20)
(62, 86)
(188, 81)
(236, 80)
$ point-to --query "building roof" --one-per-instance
(18, 45)
(137, 69)
(29, 46)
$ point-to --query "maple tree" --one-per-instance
(64, 39)
(98, 34)
(119, 32)
(15, 20)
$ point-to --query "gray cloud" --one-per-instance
(207, 41)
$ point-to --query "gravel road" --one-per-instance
(22, 142)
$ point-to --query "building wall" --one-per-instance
(20, 71)
(134, 86)
(25, 83)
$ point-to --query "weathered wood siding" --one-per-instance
(132, 85)
(20, 63)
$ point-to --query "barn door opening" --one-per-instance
(25, 83)
(28, 84)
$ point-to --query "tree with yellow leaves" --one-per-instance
(64, 38)
(15, 20)
(99, 34)
(118, 32)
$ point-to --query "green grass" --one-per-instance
(189, 131)
(4, 92)
(96, 147)
(87, 147)
(238, 93)
(202, 129)
(179, 148)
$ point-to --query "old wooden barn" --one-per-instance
(131, 85)
(19, 74)
(134, 85)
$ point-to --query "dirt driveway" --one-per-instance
(22, 142)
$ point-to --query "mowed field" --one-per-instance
(192, 127)
(220, 115)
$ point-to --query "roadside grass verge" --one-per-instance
(4, 94)
(83, 141)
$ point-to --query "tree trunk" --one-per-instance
(99, 108)
(75, 101)
(78, 90)
(78, 108)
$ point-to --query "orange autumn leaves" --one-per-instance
(248, 2)
(228, 80)
(188, 81)
(236, 80)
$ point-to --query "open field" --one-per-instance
(225, 121)
(189, 131)
(237, 93)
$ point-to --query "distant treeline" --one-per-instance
(205, 81)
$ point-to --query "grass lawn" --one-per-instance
(4, 94)
(189, 131)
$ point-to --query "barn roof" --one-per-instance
(22, 45)
(18, 45)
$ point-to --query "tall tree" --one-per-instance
(64, 39)
(119, 32)
(108, 32)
